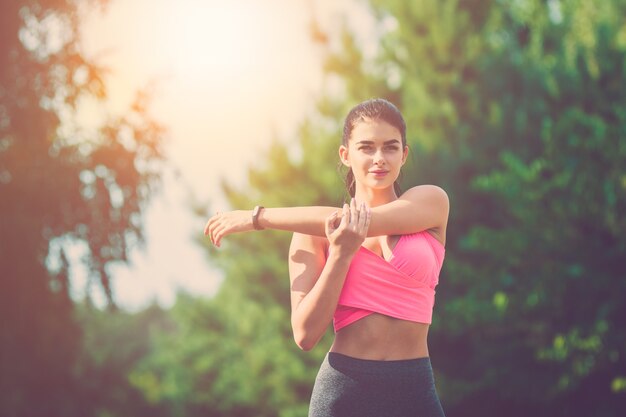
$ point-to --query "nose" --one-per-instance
(379, 160)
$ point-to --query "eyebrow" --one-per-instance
(371, 142)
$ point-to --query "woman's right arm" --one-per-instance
(316, 281)
(424, 207)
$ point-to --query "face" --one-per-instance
(375, 154)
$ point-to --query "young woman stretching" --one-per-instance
(370, 268)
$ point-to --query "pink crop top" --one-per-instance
(403, 287)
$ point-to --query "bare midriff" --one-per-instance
(383, 338)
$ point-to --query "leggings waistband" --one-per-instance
(349, 364)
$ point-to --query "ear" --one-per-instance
(405, 153)
(343, 155)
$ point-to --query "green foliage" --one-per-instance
(227, 357)
(113, 342)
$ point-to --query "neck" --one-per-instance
(373, 197)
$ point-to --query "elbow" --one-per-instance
(305, 340)
(304, 343)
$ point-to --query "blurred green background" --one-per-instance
(517, 108)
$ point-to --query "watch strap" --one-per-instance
(255, 217)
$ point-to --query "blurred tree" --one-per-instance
(517, 109)
(61, 186)
(112, 343)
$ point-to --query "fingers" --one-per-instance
(350, 215)
(354, 213)
(210, 223)
(345, 215)
(364, 219)
(330, 223)
(217, 234)
(211, 228)
(358, 215)
(208, 226)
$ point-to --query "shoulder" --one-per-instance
(427, 193)
(433, 201)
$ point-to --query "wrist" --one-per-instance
(339, 254)
(256, 214)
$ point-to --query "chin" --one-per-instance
(379, 186)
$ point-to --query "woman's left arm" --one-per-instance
(303, 220)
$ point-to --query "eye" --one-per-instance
(364, 147)
(392, 147)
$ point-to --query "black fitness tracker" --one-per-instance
(255, 217)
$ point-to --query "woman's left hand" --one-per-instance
(223, 224)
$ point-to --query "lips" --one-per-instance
(379, 173)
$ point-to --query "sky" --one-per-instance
(226, 78)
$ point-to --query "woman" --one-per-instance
(370, 268)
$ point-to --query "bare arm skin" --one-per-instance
(316, 282)
(424, 207)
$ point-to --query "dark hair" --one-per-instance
(373, 109)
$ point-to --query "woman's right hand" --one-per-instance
(348, 235)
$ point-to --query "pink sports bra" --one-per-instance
(403, 287)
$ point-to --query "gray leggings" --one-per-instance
(347, 387)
